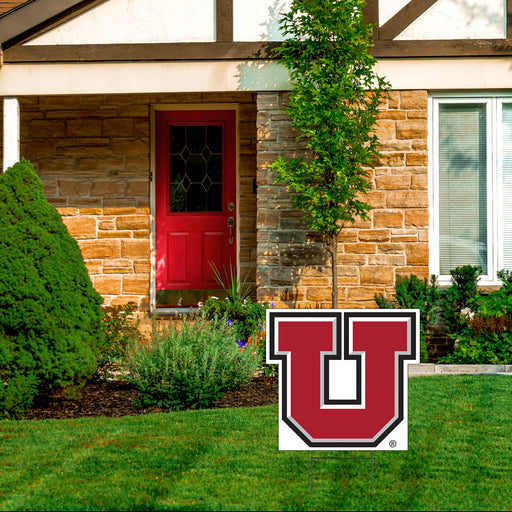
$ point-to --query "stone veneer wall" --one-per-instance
(293, 269)
(93, 156)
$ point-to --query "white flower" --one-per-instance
(467, 312)
(213, 297)
(199, 304)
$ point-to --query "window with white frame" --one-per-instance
(471, 185)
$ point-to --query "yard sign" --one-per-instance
(342, 376)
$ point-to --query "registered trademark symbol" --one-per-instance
(392, 443)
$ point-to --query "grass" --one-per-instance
(459, 458)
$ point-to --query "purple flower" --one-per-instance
(229, 322)
(241, 343)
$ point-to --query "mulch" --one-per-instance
(115, 398)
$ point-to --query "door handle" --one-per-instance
(231, 225)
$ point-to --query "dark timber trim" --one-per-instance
(37, 16)
(403, 18)
(224, 20)
(371, 15)
(509, 19)
(139, 52)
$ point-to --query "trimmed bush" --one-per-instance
(190, 366)
(50, 314)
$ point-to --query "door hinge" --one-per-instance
(150, 176)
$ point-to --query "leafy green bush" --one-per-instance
(190, 366)
(245, 317)
(50, 314)
(414, 293)
(458, 296)
(120, 330)
(484, 332)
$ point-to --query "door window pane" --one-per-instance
(195, 166)
(462, 186)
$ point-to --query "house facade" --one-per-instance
(152, 124)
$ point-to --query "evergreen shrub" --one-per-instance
(50, 314)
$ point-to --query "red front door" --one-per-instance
(195, 203)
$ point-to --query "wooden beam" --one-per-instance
(371, 15)
(509, 19)
(224, 20)
(139, 52)
(403, 18)
(443, 48)
(11, 124)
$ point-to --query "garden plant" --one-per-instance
(334, 100)
(50, 314)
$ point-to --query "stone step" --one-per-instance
(425, 369)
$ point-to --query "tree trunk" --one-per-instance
(332, 243)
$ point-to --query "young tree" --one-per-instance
(333, 104)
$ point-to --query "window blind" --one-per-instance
(506, 185)
(462, 186)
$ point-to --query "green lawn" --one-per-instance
(459, 458)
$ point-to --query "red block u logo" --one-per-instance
(380, 344)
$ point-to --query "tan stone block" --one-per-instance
(417, 158)
(385, 129)
(374, 235)
(46, 128)
(391, 159)
(55, 166)
(138, 249)
(138, 284)
(120, 126)
(420, 272)
(292, 295)
(50, 187)
(392, 260)
(124, 300)
(377, 275)
(348, 235)
(417, 114)
(67, 211)
(393, 99)
(59, 102)
(142, 267)
(388, 219)
(132, 222)
(363, 293)
(395, 145)
(90, 211)
(108, 187)
(361, 248)
(391, 248)
(319, 293)
(130, 146)
(118, 266)
(352, 259)
(84, 127)
(392, 114)
(94, 267)
(137, 188)
(144, 233)
(414, 100)
(419, 182)
(408, 199)
(404, 238)
(96, 249)
(417, 254)
(81, 227)
(114, 234)
(36, 148)
(107, 225)
(375, 198)
(393, 182)
(414, 129)
(423, 235)
(109, 285)
(74, 187)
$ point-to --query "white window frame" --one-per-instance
(494, 108)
